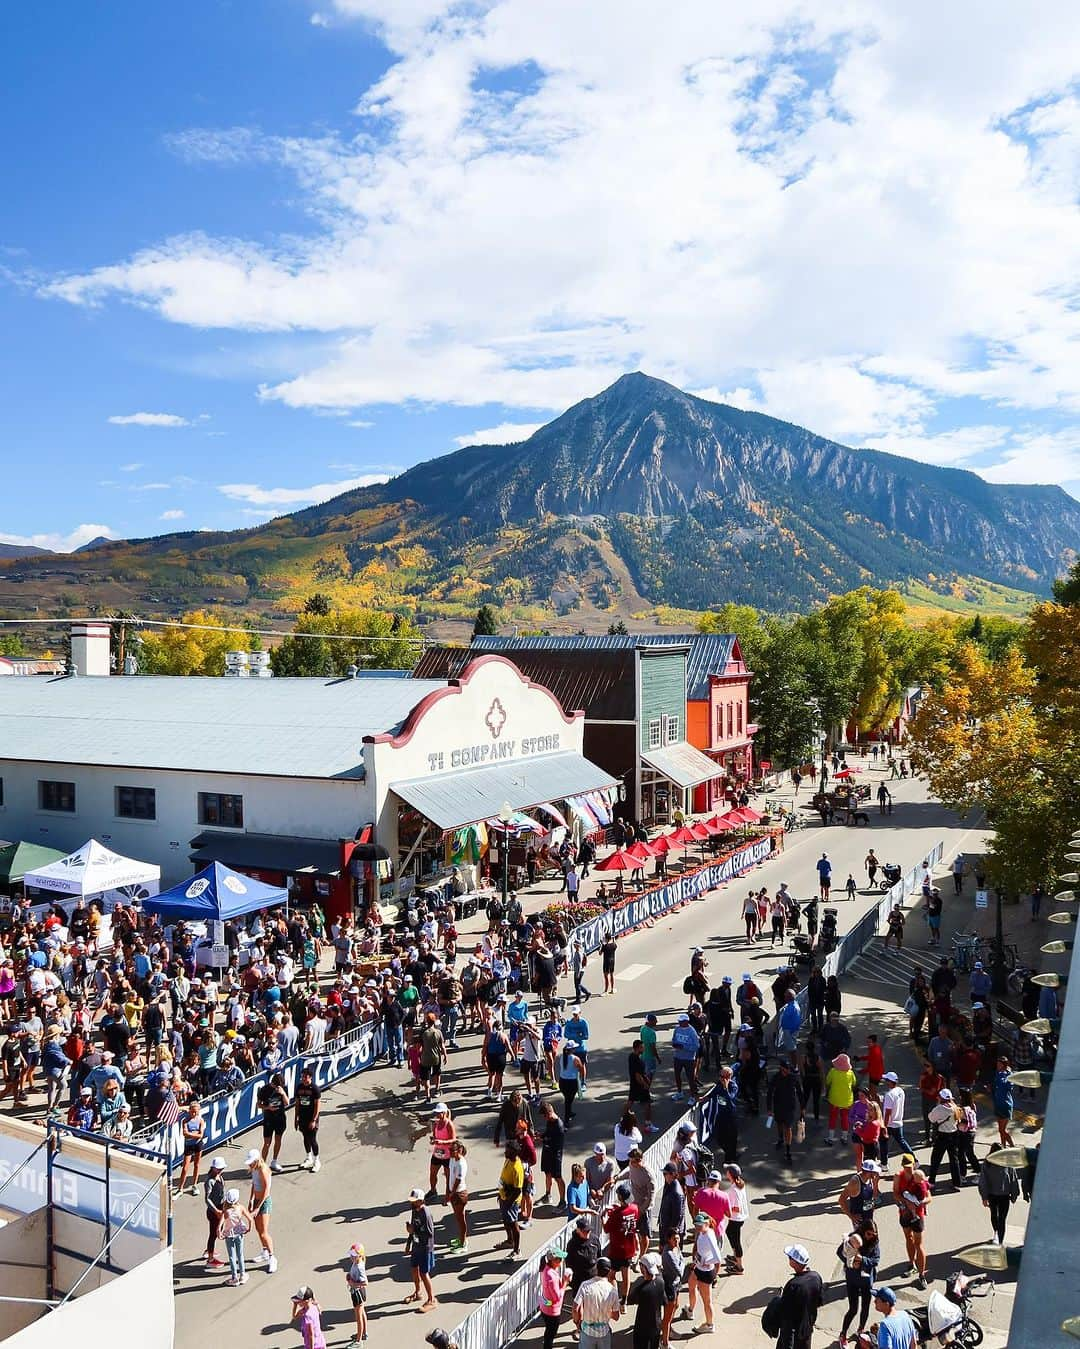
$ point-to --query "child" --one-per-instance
(305, 1312)
(356, 1279)
(850, 887)
(412, 1058)
(235, 1225)
(874, 1059)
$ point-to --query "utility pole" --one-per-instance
(120, 649)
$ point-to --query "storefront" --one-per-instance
(669, 775)
(491, 741)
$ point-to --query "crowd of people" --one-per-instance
(128, 1037)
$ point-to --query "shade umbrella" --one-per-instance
(726, 822)
(622, 859)
(749, 814)
(843, 773)
(682, 836)
(700, 831)
(661, 845)
(642, 849)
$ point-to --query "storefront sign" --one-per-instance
(655, 902)
(470, 756)
(235, 1112)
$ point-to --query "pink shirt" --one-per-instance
(552, 1289)
(311, 1328)
(715, 1203)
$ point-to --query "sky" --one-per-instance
(256, 252)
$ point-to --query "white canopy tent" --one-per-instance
(94, 870)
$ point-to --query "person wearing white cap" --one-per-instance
(892, 1110)
(235, 1225)
(648, 1298)
(260, 1205)
(945, 1119)
(214, 1195)
(800, 1299)
(306, 1313)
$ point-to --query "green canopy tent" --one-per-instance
(16, 859)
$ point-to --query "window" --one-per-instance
(672, 730)
(719, 723)
(136, 803)
(654, 733)
(56, 796)
(730, 720)
(738, 716)
(217, 808)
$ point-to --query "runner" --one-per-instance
(912, 1195)
(273, 1101)
(442, 1136)
(306, 1117)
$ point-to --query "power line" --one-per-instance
(212, 627)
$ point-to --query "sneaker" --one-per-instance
(652, 1128)
(316, 1165)
(275, 1165)
(675, 1096)
(271, 1265)
(244, 1277)
(463, 1249)
(920, 1284)
(232, 1283)
(455, 1242)
(828, 1142)
(215, 1263)
(307, 1161)
(525, 1223)
(560, 1207)
(261, 1258)
(452, 1044)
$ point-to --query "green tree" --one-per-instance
(746, 622)
(618, 629)
(11, 644)
(1067, 590)
(318, 604)
(781, 694)
(486, 624)
(378, 641)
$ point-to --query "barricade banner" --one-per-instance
(234, 1112)
(652, 903)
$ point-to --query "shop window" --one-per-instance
(220, 809)
(654, 733)
(57, 796)
(672, 730)
(136, 803)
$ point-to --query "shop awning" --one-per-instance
(682, 764)
(268, 852)
(450, 800)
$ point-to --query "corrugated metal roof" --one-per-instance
(598, 682)
(452, 800)
(682, 763)
(268, 852)
(709, 652)
(273, 727)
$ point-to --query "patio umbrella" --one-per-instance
(749, 814)
(661, 845)
(642, 850)
(682, 836)
(724, 823)
(701, 832)
(620, 860)
(843, 773)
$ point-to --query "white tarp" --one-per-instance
(92, 870)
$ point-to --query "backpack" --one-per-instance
(770, 1317)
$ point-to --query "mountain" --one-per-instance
(641, 496)
(23, 550)
(98, 542)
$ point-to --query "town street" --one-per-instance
(374, 1142)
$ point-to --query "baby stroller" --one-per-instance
(890, 874)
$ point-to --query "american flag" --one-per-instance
(169, 1112)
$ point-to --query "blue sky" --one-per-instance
(253, 254)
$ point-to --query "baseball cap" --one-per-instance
(886, 1294)
(603, 1265)
(415, 1195)
(978, 964)
(218, 1164)
(557, 1252)
(599, 1149)
(575, 1010)
(253, 1156)
(746, 978)
(440, 1108)
(870, 1165)
(907, 1159)
(700, 1219)
(715, 1175)
(977, 1006)
(86, 1091)
(683, 1017)
(438, 1338)
(726, 979)
(650, 1016)
(890, 1077)
(232, 1196)
(799, 1254)
(944, 1094)
(303, 1293)
(651, 1263)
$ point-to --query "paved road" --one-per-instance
(374, 1145)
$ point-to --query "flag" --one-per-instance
(169, 1112)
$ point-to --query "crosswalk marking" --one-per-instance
(632, 972)
(876, 965)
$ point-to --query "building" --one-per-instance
(282, 777)
(29, 665)
(638, 715)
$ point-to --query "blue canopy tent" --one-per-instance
(216, 893)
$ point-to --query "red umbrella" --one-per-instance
(742, 816)
(642, 850)
(726, 822)
(700, 832)
(620, 860)
(663, 844)
(843, 773)
(682, 836)
(750, 816)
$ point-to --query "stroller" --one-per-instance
(827, 937)
(890, 874)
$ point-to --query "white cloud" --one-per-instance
(172, 515)
(361, 425)
(1040, 457)
(130, 468)
(297, 496)
(150, 419)
(62, 543)
(506, 433)
(799, 203)
(152, 487)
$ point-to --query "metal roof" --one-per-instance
(682, 763)
(709, 652)
(452, 800)
(305, 728)
(599, 682)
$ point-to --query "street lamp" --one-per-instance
(1056, 948)
(506, 814)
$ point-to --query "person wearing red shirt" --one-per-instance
(930, 1084)
(911, 1190)
(526, 1146)
(620, 1224)
(874, 1058)
(714, 1201)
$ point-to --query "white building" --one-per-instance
(279, 776)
